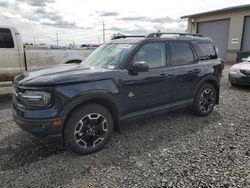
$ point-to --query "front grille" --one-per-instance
(245, 72)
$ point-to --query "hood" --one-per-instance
(242, 66)
(61, 74)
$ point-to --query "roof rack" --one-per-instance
(129, 36)
(154, 35)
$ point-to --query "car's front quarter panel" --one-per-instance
(64, 98)
(66, 95)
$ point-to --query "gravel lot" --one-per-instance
(171, 150)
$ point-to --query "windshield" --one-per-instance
(108, 56)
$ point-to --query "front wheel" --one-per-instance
(205, 100)
(88, 129)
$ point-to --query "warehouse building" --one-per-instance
(229, 28)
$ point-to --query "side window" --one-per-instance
(181, 53)
(154, 54)
(205, 50)
(6, 40)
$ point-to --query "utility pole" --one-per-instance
(34, 41)
(103, 32)
(57, 39)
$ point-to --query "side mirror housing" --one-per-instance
(136, 67)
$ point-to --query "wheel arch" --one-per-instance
(213, 81)
(104, 99)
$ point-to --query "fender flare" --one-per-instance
(210, 79)
(92, 95)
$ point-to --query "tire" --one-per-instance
(205, 100)
(88, 129)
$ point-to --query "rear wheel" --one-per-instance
(88, 129)
(205, 100)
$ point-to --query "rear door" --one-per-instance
(185, 69)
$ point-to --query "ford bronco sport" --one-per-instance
(124, 79)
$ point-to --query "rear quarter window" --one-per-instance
(205, 50)
(6, 40)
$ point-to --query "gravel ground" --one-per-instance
(170, 150)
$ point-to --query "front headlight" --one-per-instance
(234, 70)
(35, 98)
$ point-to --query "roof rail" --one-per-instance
(125, 36)
(154, 35)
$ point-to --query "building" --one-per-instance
(229, 28)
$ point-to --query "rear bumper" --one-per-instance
(40, 127)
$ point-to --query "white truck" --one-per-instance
(15, 58)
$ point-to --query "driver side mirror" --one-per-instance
(136, 67)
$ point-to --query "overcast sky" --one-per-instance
(81, 20)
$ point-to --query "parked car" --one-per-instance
(239, 73)
(14, 58)
(122, 80)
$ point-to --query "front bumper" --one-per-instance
(41, 127)
(239, 79)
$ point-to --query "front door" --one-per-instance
(148, 89)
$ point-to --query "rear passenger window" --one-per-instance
(154, 54)
(205, 50)
(181, 53)
(6, 40)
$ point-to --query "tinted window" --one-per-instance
(154, 54)
(6, 40)
(205, 50)
(181, 53)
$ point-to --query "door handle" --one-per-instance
(162, 75)
(195, 71)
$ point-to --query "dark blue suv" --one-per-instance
(126, 78)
